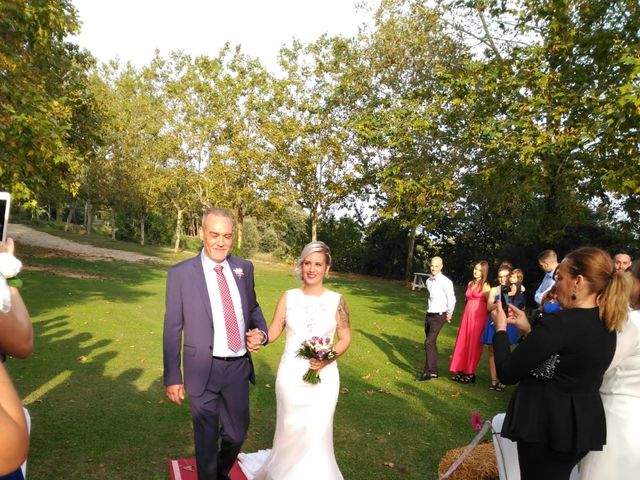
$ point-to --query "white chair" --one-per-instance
(507, 453)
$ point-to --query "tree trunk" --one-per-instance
(88, 217)
(59, 213)
(142, 223)
(72, 209)
(176, 247)
(240, 223)
(113, 223)
(410, 248)
(314, 225)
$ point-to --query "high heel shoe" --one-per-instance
(468, 378)
(457, 377)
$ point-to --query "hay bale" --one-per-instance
(479, 465)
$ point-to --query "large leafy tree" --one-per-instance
(553, 129)
(42, 80)
(410, 111)
(140, 145)
(311, 157)
(214, 105)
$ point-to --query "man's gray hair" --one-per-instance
(218, 212)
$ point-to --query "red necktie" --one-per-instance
(230, 321)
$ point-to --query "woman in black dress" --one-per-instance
(556, 414)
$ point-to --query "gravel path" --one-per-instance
(23, 234)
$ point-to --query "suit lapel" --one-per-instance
(201, 285)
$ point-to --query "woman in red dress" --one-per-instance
(468, 349)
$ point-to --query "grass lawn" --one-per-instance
(94, 383)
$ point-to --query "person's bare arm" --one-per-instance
(16, 330)
(14, 441)
(278, 321)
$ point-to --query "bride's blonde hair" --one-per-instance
(308, 249)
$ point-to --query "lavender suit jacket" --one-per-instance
(188, 321)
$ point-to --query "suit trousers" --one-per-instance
(433, 323)
(221, 415)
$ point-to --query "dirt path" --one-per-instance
(29, 236)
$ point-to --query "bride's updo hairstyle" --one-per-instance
(308, 249)
(611, 287)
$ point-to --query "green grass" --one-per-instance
(94, 383)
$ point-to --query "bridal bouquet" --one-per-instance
(319, 348)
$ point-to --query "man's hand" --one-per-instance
(255, 339)
(175, 393)
(448, 318)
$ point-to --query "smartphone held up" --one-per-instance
(5, 199)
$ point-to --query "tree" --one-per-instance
(410, 111)
(306, 130)
(554, 123)
(41, 80)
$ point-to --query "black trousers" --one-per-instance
(538, 462)
(432, 325)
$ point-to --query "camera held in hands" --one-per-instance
(5, 198)
(504, 298)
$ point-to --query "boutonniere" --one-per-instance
(239, 273)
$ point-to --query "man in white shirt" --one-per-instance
(548, 261)
(442, 301)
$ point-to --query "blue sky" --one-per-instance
(132, 29)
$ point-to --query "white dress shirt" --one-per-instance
(220, 346)
(545, 286)
(441, 296)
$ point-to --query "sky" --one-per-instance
(131, 30)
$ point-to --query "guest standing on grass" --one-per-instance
(556, 414)
(468, 349)
(620, 392)
(210, 304)
(548, 261)
(442, 301)
(504, 272)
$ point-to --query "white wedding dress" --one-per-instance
(303, 440)
(620, 392)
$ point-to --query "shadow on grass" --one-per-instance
(399, 350)
(91, 420)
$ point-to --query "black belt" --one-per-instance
(230, 359)
(437, 313)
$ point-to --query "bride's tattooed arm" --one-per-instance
(343, 314)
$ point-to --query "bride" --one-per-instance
(303, 440)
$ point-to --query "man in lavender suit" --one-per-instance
(213, 321)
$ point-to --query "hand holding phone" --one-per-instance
(504, 298)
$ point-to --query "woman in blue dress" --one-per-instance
(489, 330)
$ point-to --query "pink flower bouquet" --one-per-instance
(319, 348)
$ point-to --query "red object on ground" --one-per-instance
(185, 469)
